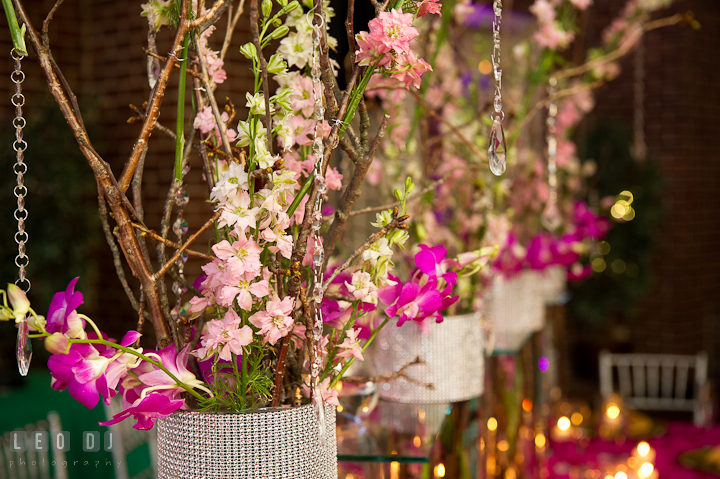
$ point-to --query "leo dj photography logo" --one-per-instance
(60, 442)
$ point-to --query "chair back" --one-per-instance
(655, 381)
(22, 461)
(130, 439)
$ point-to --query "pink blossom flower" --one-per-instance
(581, 4)
(243, 256)
(361, 286)
(544, 10)
(370, 50)
(224, 337)
(411, 301)
(243, 289)
(276, 321)
(429, 6)
(301, 129)
(394, 30)
(238, 214)
(328, 396)
(431, 262)
(351, 346)
(283, 244)
(333, 179)
(204, 121)
(409, 68)
(553, 37)
(298, 335)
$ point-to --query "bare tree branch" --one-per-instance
(185, 246)
(395, 223)
(255, 30)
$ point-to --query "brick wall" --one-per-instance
(98, 44)
(681, 314)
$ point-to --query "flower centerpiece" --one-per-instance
(268, 330)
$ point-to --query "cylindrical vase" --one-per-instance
(452, 352)
(265, 443)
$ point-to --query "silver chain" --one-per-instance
(316, 219)
(550, 217)
(497, 72)
(20, 168)
(639, 144)
(316, 223)
(552, 140)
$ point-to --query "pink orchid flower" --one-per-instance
(147, 410)
(62, 317)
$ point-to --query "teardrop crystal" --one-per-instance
(497, 150)
(551, 218)
(23, 350)
(320, 413)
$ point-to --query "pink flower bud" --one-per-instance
(57, 343)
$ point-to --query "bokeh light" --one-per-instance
(544, 364)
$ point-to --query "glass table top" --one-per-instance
(370, 429)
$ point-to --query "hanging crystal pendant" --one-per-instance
(551, 218)
(497, 151)
(23, 348)
(319, 406)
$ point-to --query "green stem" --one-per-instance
(352, 360)
(349, 324)
(16, 33)
(303, 191)
(143, 357)
(243, 368)
(180, 127)
(357, 95)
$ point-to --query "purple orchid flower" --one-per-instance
(336, 313)
(89, 371)
(147, 410)
(563, 252)
(421, 298)
(432, 262)
(539, 252)
(62, 317)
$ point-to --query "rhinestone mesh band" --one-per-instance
(517, 304)
(266, 444)
(453, 351)
(552, 282)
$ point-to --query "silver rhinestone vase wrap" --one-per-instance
(517, 304)
(552, 281)
(452, 350)
(268, 443)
